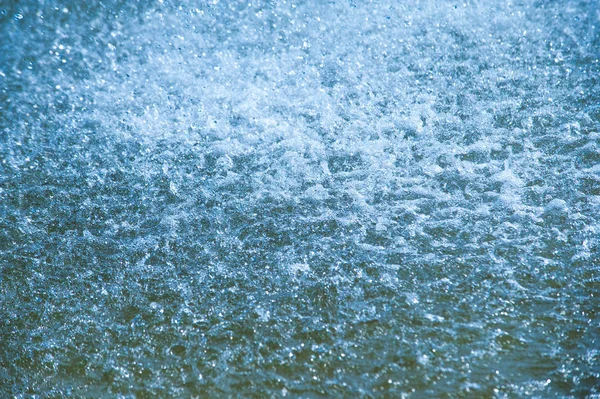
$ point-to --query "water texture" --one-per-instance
(360, 199)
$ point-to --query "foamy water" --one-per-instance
(301, 199)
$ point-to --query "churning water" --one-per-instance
(300, 198)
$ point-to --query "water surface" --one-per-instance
(300, 198)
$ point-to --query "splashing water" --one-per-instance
(300, 198)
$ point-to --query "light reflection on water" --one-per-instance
(299, 199)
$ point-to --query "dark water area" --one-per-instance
(306, 199)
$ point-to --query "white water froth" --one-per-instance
(317, 198)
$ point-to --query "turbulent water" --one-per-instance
(300, 198)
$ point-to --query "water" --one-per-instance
(302, 199)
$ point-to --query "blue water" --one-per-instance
(303, 199)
